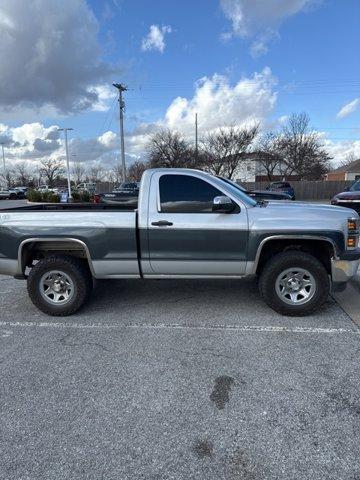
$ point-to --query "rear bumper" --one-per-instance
(346, 266)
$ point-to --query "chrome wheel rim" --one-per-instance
(295, 286)
(56, 287)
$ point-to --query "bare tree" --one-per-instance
(268, 154)
(169, 149)
(117, 174)
(23, 174)
(301, 149)
(350, 158)
(96, 174)
(51, 170)
(8, 178)
(78, 172)
(223, 151)
(136, 170)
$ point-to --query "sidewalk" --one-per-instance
(349, 299)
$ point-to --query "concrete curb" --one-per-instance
(349, 299)
(356, 280)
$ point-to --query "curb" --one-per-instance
(355, 281)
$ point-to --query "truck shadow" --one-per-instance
(181, 301)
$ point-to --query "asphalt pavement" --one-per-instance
(12, 203)
(177, 380)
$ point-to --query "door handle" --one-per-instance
(162, 223)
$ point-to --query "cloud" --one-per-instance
(31, 141)
(218, 103)
(341, 150)
(155, 39)
(53, 63)
(260, 19)
(349, 108)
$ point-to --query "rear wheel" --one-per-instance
(59, 285)
(13, 196)
(294, 283)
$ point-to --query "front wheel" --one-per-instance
(294, 283)
(59, 285)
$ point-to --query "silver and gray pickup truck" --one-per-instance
(187, 224)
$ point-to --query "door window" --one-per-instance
(186, 194)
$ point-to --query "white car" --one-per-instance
(8, 193)
(46, 188)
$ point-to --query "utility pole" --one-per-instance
(122, 88)
(3, 156)
(65, 130)
(196, 134)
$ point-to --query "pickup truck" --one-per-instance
(187, 224)
(10, 194)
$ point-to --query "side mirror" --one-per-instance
(346, 189)
(267, 188)
(223, 204)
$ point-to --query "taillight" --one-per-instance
(96, 199)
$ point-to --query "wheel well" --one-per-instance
(38, 249)
(323, 250)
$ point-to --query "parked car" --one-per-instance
(46, 188)
(10, 194)
(89, 187)
(188, 224)
(349, 198)
(259, 195)
(126, 194)
(128, 187)
(283, 187)
(21, 191)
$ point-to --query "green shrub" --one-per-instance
(46, 197)
(85, 197)
(34, 196)
(75, 195)
(53, 198)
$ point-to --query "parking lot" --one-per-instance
(177, 380)
(12, 203)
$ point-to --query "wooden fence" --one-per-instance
(307, 190)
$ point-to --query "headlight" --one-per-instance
(353, 233)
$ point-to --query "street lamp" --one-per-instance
(3, 156)
(65, 130)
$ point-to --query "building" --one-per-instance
(349, 172)
(251, 169)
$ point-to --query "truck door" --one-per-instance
(185, 236)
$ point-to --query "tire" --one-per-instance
(59, 285)
(13, 196)
(294, 283)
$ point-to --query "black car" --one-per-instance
(126, 194)
(283, 187)
(127, 187)
(259, 195)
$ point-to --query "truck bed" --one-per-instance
(73, 207)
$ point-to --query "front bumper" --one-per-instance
(346, 266)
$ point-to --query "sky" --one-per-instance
(234, 62)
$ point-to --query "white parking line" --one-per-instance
(159, 326)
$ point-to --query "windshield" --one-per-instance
(355, 187)
(237, 190)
